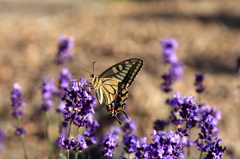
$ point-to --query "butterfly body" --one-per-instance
(111, 86)
(119, 102)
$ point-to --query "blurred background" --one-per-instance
(208, 33)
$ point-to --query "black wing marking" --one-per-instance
(124, 71)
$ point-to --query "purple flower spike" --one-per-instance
(17, 112)
(61, 107)
(200, 86)
(129, 126)
(2, 140)
(81, 143)
(238, 64)
(169, 47)
(72, 144)
(64, 49)
(90, 132)
(16, 96)
(142, 149)
(215, 151)
(166, 86)
(64, 76)
(109, 144)
(159, 125)
(115, 129)
(176, 71)
(208, 125)
(79, 104)
(189, 111)
(166, 145)
(169, 56)
(47, 89)
(130, 142)
(17, 101)
(19, 131)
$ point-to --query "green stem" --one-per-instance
(69, 129)
(188, 149)
(50, 148)
(200, 154)
(19, 122)
(22, 138)
(76, 154)
(89, 153)
(67, 154)
(24, 146)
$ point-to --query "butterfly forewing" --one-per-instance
(106, 85)
(124, 72)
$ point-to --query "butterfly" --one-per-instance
(111, 86)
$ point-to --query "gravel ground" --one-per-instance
(208, 33)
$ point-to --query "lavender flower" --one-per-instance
(129, 126)
(159, 125)
(63, 77)
(47, 89)
(238, 64)
(189, 111)
(208, 126)
(17, 102)
(169, 56)
(72, 144)
(19, 131)
(215, 151)
(176, 71)
(115, 129)
(61, 107)
(64, 49)
(166, 86)
(109, 144)
(142, 149)
(79, 103)
(130, 142)
(184, 110)
(17, 113)
(169, 47)
(2, 140)
(166, 145)
(176, 104)
(90, 132)
(200, 86)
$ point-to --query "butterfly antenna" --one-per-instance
(86, 70)
(93, 66)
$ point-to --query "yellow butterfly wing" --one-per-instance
(106, 85)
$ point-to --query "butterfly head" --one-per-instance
(92, 76)
(94, 81)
